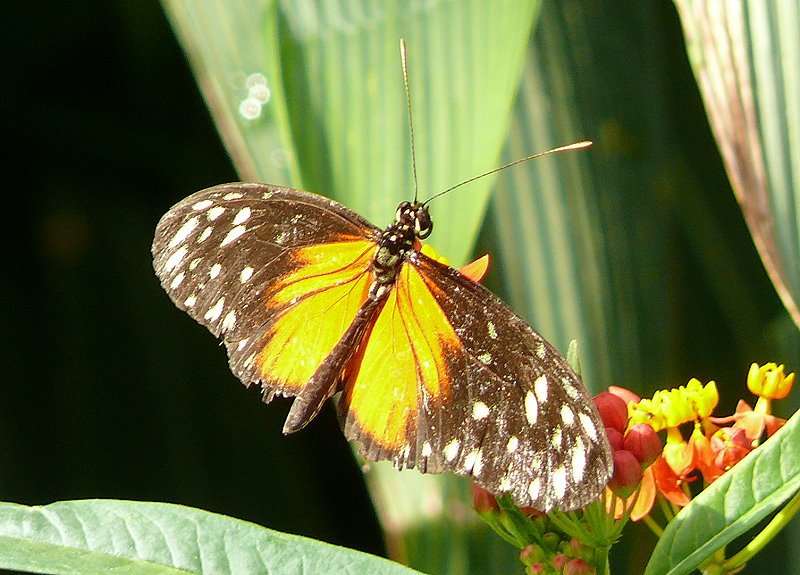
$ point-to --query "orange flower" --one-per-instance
(670, 483)
(730, 445)
(753, 421)
(704, 456)
(475, 270)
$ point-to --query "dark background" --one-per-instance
(108, 390)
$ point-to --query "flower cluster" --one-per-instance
(696, 446)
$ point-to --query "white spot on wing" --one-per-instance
(233, 234)
(485, 357)
(555, 440)
(578, 461)
(513, 444)
(242, 216)
(184, 232)
(216, 311)
(531, 408)
(471, 460)
(214, 271)
(559, 481)
(193, 264)
(588, 426)
(567, 415)
(426, 449)
(175, 258)
(202, 204)
(242, 343)
(230, 321)
(247, 273)
(535, 489)
(570, 389)
(214, 213)
(540, 387)
(204, 236)
(492, 330)
(178, 280)
(540, 350)
(479, 410)
(451, 449)
(232, 196)
(478, 466)
(190, 301)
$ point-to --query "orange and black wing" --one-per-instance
(279, 274)
(449, 378)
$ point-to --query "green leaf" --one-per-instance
(226, 47)
(336, 119)
(734, 503)
(574, 263)
(97, 536)
(746, 57)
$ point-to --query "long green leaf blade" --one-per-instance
(746, 58)
(96, 536)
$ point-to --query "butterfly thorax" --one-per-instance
(412, 222)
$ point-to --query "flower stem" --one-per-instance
(654, 526)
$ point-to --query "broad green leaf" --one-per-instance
(734, 503)
(579, 233)
(102, 536)
(336, 121)
(625, 247)
(746, 58)
(229, 52)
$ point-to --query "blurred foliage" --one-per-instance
(637, 247)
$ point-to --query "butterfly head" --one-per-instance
(414, 216)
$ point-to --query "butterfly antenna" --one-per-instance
(575, 146)
(410, 119)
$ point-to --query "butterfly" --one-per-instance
(434, 371)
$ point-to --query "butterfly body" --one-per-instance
(435, 372)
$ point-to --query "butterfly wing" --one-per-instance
(278, 273)
(474, 390)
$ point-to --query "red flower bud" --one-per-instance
(558, 561)
(531, 555)
(615, 438)
(613, 410)
(627, 474)
(578, 567)
(483, 501)
(643, 442)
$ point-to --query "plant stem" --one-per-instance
(654, 526)
(767, 534)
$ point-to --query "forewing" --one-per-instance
(277, 273)
(476, 391)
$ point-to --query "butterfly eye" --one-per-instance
(423, 226)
